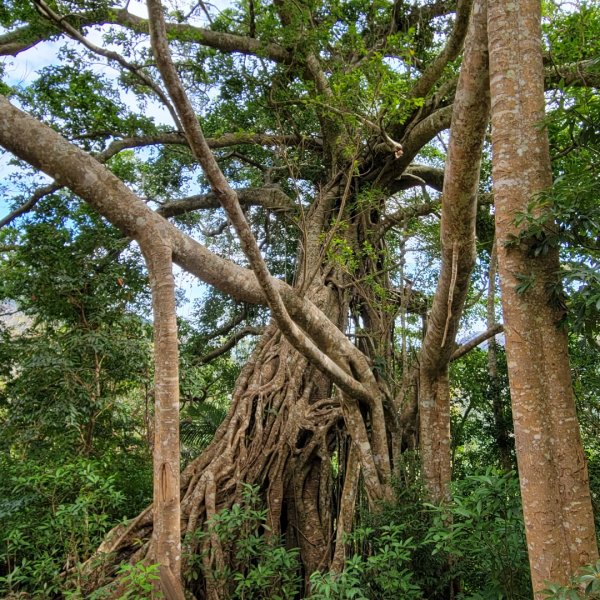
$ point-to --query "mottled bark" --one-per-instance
(459, 206)
(552, 467)
(166, 541)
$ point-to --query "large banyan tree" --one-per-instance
(311, 135)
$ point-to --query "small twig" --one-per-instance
(35, 198)
(229, 344)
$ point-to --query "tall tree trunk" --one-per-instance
(459, 206)
(166, 541)
(553, 473)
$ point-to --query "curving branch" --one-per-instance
(29, 204)
(476, 341)
(426, 130)
(410, 212)
(419, 175)
(229, 326)
(23, 38)
(273, 198)
(451, 50)
(412, 142)
(226, 42)
(223, 141)
(229, 344)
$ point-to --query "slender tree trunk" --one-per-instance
(553, 473)
(459, 206)
(499, 411)
(166, 541)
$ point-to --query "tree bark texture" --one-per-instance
(459, 206)
(552, 467)
(166, 540)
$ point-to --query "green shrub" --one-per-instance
(482, 535)
(52, 518)
(382, 573)
(584, 586)
(261, 567)
(138, 581)
(474, 545)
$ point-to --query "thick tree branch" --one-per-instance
(226, 42)
(223, 141)
(271, 197)
(412, 142)
(419, 175)
(23, 38)
(476, 341)
(450, 52)
(410, 212)
(425, 130)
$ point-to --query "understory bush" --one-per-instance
(481, 532)
(53, 517)
(583, 586)
(409, 550)
(383, 573)
(261, 567)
